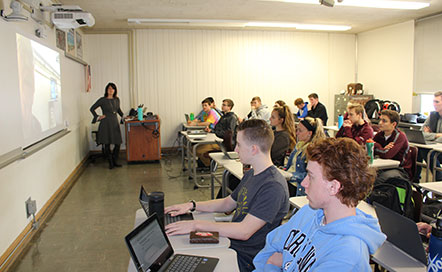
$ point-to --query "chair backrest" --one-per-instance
(409, 164)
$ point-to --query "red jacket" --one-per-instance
(359, 133)
(399, 150)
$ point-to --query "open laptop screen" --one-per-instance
(148, 245)
(144, 200)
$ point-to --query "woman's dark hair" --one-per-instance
(113, 86)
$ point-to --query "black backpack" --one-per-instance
(393, 190)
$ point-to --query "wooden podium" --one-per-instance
(143, 140)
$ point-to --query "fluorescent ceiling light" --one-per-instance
(236, 23)
(300, 26)
(386, 4)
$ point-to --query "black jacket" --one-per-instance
(228, 122)
(319, 112)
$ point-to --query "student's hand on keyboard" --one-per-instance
(181, 227)
(178, 209)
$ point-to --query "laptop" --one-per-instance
(416, 136)
(229, 155)
(144, 201)
(187, 117)
(402, 232)
(150, 250)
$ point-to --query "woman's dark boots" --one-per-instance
(115, 156)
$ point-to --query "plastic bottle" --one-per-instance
(192, 116)
(340, 121)
(370, 150)
(435, 252)
(140, 113)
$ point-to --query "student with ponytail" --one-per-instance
(285, 135)
(309, 130)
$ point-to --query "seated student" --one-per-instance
(432, 130)
(279, 103)
(227, 124)
(260, 200)
(308, 131)
(316, 109)
(390, 142)
(329, 234)
(284, 134)
(210, 116)
(302, 108)
(258, 111)
(212, 105)
(355, 126)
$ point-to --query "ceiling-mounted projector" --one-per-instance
(67, 17)
(328, 3)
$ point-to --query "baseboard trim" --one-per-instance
(18, 247)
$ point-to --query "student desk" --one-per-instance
(387, 256)
(335, 129)
(181, 138)
(191, 147)
(433, 148)
(181, 245)
(190, 127)
(218, 160)
(435, 187)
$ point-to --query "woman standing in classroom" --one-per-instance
(109, 128)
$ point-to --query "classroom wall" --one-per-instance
(386, 63)
(176, 69)
(41, 174)
(108, 56)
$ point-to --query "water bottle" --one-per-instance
(192, 117)
(140, 113)
(156, 205)
(370, 150)
(435, 249)
(340, 121)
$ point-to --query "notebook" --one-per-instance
(402, 232)
(229, 155)
(144, 201)
(417, 136)
(150, 250)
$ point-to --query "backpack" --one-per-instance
(393, 190)
(373, 108)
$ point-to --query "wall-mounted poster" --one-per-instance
(79, 44)
(60, 39)
(71, 42)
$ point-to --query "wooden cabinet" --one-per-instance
(143, 140)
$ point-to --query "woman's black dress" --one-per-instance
(109, 128)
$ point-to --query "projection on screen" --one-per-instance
(40, 90)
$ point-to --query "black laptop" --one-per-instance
(144, 201)
(417, 136)
(150, 250)
(229, 155)
(402, 232)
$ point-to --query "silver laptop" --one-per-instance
(402, 232)
(417, 136)
(229, 155)
(150, 250)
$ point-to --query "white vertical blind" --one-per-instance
(428, 55)
(176, 69)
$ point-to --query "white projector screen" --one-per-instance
(40, 90)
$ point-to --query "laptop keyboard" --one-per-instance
(171, 219)
(184, 263)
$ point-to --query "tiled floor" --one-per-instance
(87, 231)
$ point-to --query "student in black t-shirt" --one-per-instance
(260, 201)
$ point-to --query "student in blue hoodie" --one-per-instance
(329, 234)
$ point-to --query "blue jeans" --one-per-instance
(421, 156)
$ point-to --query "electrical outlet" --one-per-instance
(31, 207)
